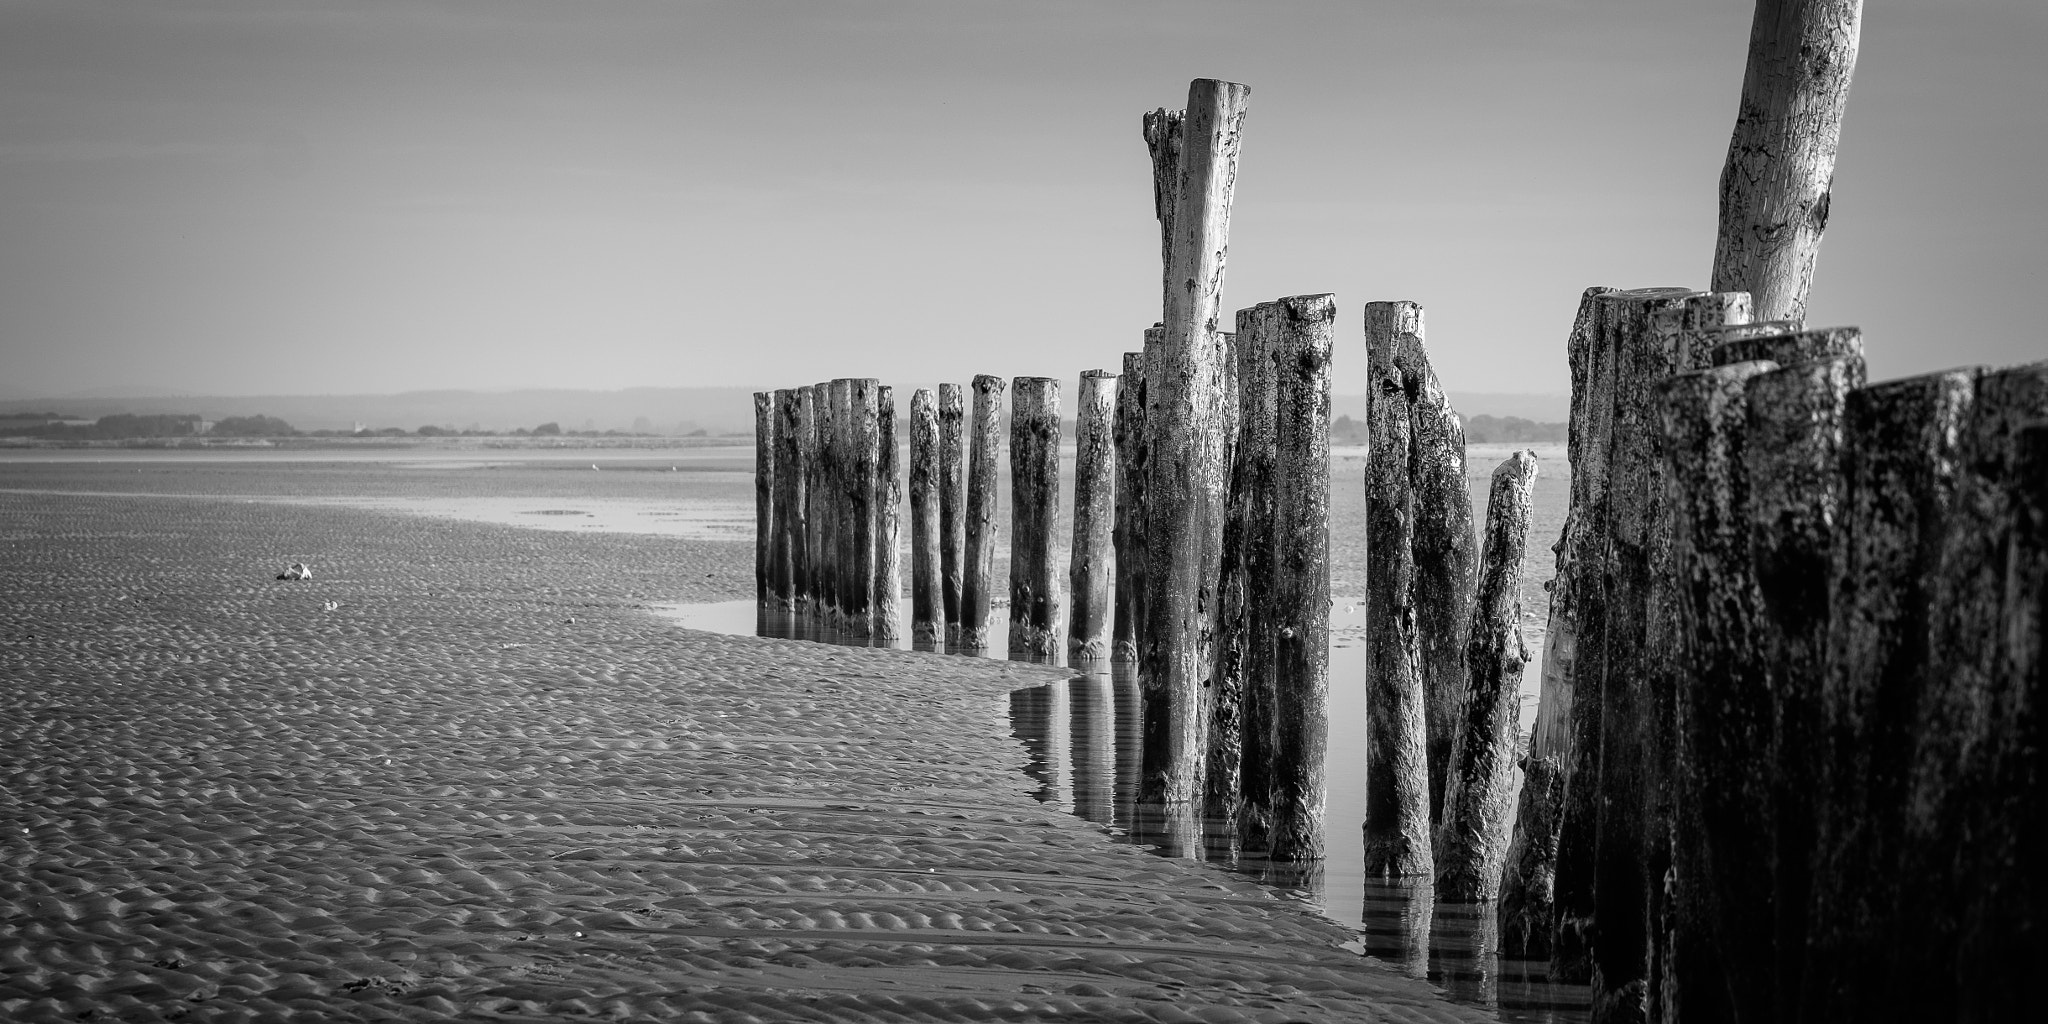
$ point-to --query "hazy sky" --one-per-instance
(264, 197)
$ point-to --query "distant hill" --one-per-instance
(672, 411)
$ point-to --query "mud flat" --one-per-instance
(462, 773)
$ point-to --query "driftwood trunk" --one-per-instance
(861, 499)
(887, 613)
(1241, 725)
(1094, 555)
(1130, 506)
(1297, 786)
(952, 504)
(764, 497)
(1397, 818)
(927, 618)
(1780, 170)
(1472, 838)
(1186, 447)
(1037, 599)
(1528, 884)
(979, 561)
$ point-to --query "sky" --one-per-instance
(277, 197)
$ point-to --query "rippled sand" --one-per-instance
(486, 783)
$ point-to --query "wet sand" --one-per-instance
(489, 783)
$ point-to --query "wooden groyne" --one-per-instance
(1093, 565)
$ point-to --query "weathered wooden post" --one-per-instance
(1038, 602)
(1445, 558)
(952, 505)
(764, 497)
(1241, 725)
(1131, 471)
(789, 522)
(1397, 818)
(887, 613)
(1472, 840)
(842, 501)
(862, 492)
(821, 518)
(1094, 556)
(805, 546)
(1528, 884)
(980, 557)
(1301, 583)
(1781, 160)
(927, 617)
(1185, 444)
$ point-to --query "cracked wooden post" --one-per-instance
(1130, 507)
(978, 565)
(1397, 818)
(789, 489)
(764, 497)
(862, 491)
(1472, 838)
(1444, 557)
(927, 617)
(1297, 786)
(1094, 556)
(1038, 603)
(805, 545)
(952, 504)
(824, 519)
(1185, 444)
(842, 502)
(1241, 725)
(1781, 159)
(887, 611)
(1528, 884)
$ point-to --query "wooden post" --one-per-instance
(1130, 505)
(842, 501)
(927, 614)
(806, 545)
(1241, 724)
(1781, 159)
(862, 490)
(1185, 445)
(1528, 884)
(764, 497)
(1038, 603)
(1397, 818)
(821, 518)
(1094, 556)
(952, 505)
(1298, 789)
(1445, 558)
(980, 558)
(1472, 839)
(789, 489)
(886, 615)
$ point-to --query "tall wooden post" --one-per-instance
(1528, 883)
(1186, 447)
(887, 610)
(1094, 555)
(1445, 557)
(1471, 841)
(842, 501)
(789, 522)
(979, 562)
(1301, 584)
(805, 545)
(952, 505)
(862, 492)
(821, 517)
(764, 497)
(1130, 506)
(1780, 170)
(1242, 728)
(1397, 818)
(927, 614)
(1038, 602)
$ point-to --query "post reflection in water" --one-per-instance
(1084, 740)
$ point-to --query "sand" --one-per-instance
(488, 783)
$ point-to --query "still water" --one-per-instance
(1083, 736)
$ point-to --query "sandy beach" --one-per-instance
(464, 772)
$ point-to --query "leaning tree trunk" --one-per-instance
(1472, 840)
(1781, 160)
(1184, 433)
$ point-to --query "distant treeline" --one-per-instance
(127, 427)
(1478, 430)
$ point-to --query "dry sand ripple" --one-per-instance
(222, 800)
